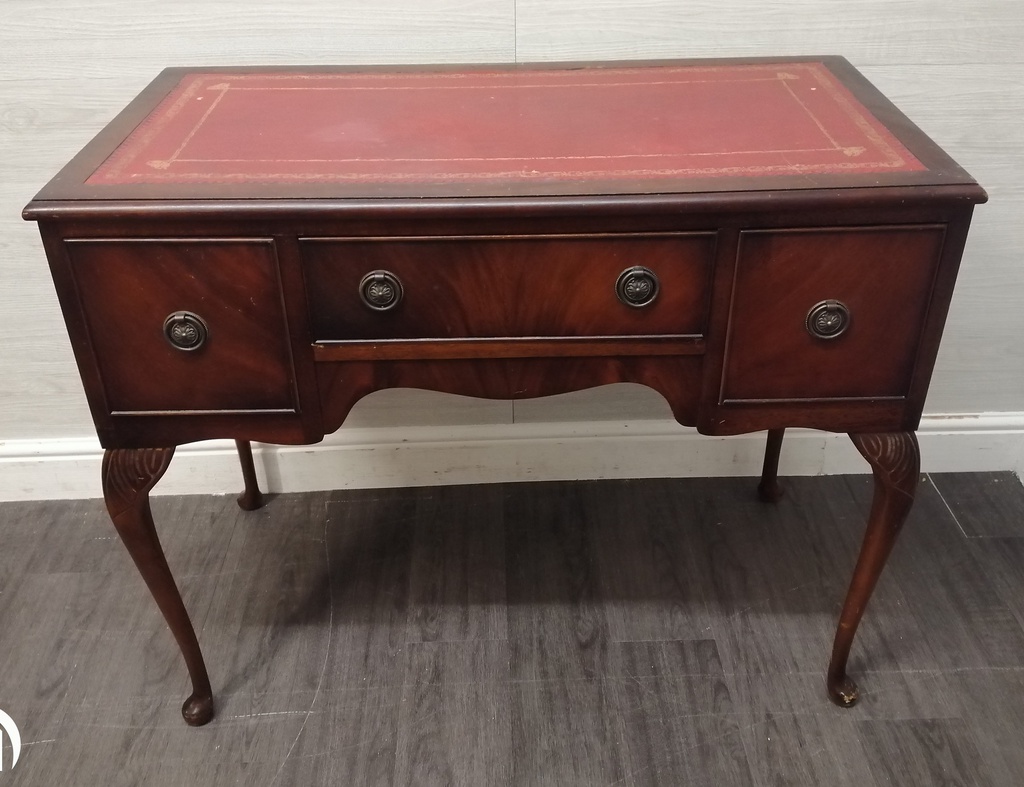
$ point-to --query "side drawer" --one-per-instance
(127, 289)
(506, 287)
(872, 287)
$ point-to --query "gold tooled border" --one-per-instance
(160, 117)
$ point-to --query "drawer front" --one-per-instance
(480, 287)
(872, 287)
(127, 290)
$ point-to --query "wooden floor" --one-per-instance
(670, 632)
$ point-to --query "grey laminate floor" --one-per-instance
(669, 632)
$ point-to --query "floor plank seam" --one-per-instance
(946, 504)
(947, 671)
(622, 682)
(327, 652)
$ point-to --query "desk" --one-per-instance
(244, 253)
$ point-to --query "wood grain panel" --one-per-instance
(343, 384)
(931, 751)
(984, 506)
(616, 402)
(403, 407)
(89, 674)
(979, 363)
(771, 353)
(875, 31)
(551, 563)
(127, 289)
(64, 37)
(686, 726)
(957, 584)
(68, 67)
(448, 731)
(995, 717)
(485, 287)
(457, 573)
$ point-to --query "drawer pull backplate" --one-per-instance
(637, 286)
(185, 331)
(828, 319)
(380, 290)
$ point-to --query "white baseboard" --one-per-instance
(425, 456)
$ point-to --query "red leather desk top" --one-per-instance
(506, 127)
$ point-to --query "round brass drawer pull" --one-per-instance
(185, 331)
(828, 319)
(380, 290)
(637, 286)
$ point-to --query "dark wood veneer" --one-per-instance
(126, 289)
(770, 355)
(509, 293)
(483, 287)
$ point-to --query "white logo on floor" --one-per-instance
(8, 726)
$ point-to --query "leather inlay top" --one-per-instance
(511, 126)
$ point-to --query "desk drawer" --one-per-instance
(233, 351)
(872, 287)
(491, 287)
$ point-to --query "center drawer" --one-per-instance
(508, 287)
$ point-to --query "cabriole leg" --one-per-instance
(128, 476)
(251, 498)
(895, 463)
(769, 490)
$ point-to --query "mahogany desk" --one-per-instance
(244, 253)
